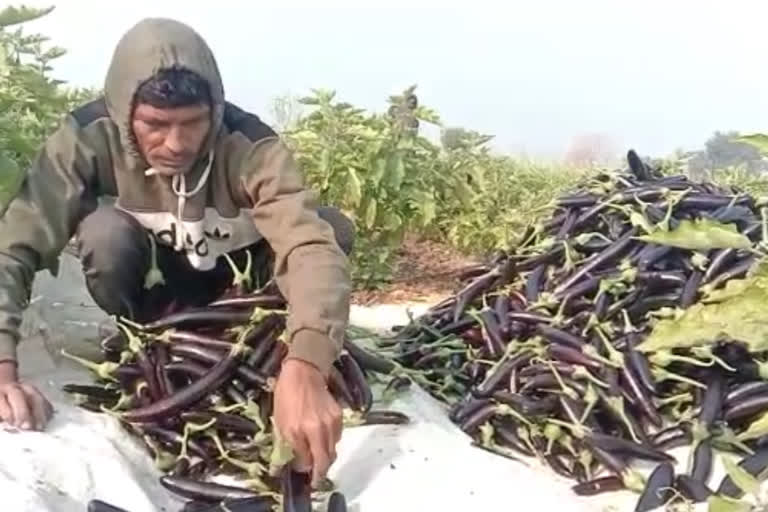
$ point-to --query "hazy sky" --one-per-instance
(656, 74)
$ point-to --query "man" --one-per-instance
(194, 178)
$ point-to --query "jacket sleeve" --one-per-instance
(310, 269)
(39, 221)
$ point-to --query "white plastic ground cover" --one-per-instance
(424, 466)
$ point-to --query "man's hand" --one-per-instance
(308, 417)
(21, 405)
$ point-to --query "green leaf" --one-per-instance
(395, 171)
(464, 193)
(370, 214)
(392, 221)
(738, 316)
(16, 15)
(54, 53)
(638, 219)
(3, 60)
(12, 178)
(428, 211)
(740, 477)
(354, 188)
(281, 453)
(757, 428)
(379, 169)
(717, 503)
(758, 140)
(699, 235)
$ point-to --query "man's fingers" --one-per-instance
(18, 401)
(319, 437)
(6, 413)
(302, 455)
(333, 434)
(37, 401)
(337, 425)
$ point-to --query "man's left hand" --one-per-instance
(308, 417)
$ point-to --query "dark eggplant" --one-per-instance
(204, 491)
(753, 464)
(695, 490)
(103, 506)
(658, 488)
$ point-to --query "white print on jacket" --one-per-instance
(205, 239)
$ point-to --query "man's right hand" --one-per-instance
(21, 404)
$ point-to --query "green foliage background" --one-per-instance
(31, 101)
(377, 167)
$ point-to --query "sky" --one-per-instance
(655, 75)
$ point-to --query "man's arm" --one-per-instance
(40, 219)
(313, 274)
(310, 268)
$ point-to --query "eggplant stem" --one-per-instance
(680, 398)
(728, 436)
(154, 275)
(135, 343)
(569, 392)
(585, 459)
(617, 404)
(590, 398)
(628, 326)
(663, 374)
(506, 410)
(259, 314)
(579, 431)
(664, 358)
(567, 441)
(104, 370)
(190, 428)
(163, 460)
(633, 480)
(615, 358)
(706, 351)
(524, 434)
(127, 321)
(580, 371)
(241, 279)
(569, 264)
(592, 352)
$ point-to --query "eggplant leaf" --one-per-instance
(700, 235)
(354, 187)
(738, 316)
(281, 453)
(757, 140)
(717, 503)
(740, 477)
(756, 429)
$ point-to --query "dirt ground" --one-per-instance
(425, 271)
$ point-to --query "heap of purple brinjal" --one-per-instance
(196, 388)
(625, 325)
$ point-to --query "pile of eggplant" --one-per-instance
(196, 388)
(536, 353)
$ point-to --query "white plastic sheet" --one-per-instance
(425, 466)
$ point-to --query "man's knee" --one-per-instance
(109, 239)
(343, 227)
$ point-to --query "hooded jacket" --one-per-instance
(245, 186)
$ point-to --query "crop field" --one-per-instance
(585, 316)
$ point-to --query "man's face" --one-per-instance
(170, 138)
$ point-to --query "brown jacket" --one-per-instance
(252, 189)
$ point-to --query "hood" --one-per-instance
(149, 46)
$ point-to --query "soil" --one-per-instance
(425, 271)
